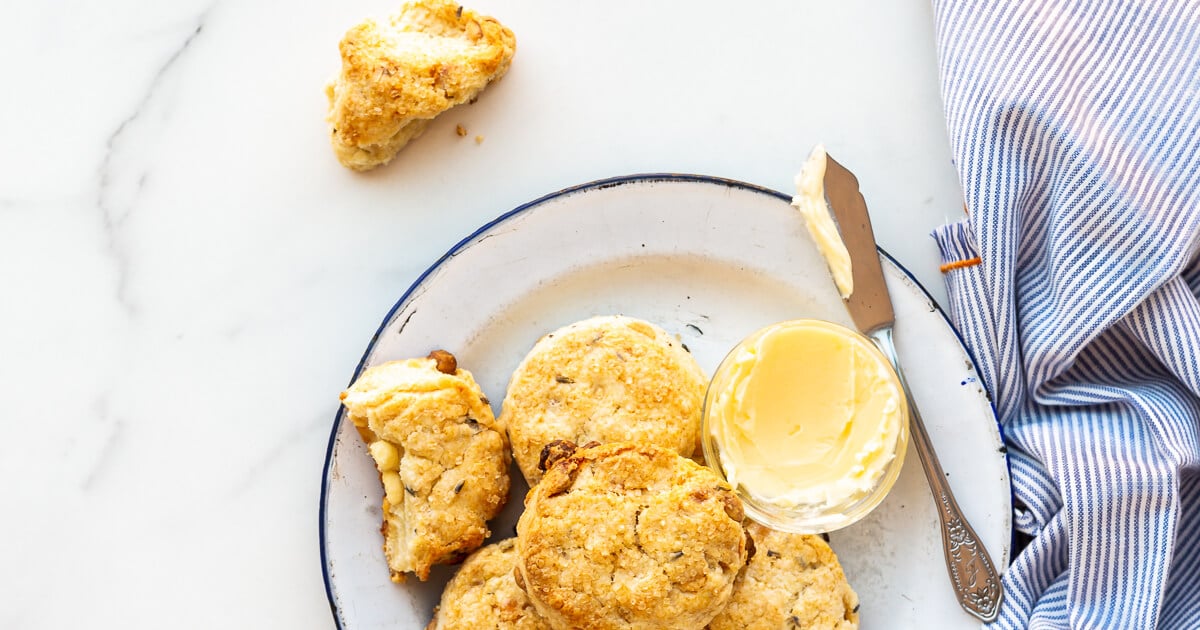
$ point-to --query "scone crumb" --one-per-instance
(461, 131)
(478, 139)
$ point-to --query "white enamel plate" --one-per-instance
(711, 261)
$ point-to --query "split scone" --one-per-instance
(626, 535)
(793, 581)
(442, 457)
(484, 594)
(399, 75)
(604, 379)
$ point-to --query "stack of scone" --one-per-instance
(621, 529)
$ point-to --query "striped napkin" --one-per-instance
(1076, 133)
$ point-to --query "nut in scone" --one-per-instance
(398, 75)
(626, 535)
(442, 458)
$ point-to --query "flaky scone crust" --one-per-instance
(793, 581)
(629, 535)
(399, 75)
(450, 456)
(484, 594)
(604, 379)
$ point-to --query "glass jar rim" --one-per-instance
(806, 520)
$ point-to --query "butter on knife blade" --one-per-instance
(810, 201)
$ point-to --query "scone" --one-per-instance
(442, 457)
(604, 379)
(399, 75)
(794, 581)
(625, 535)
(484, 594)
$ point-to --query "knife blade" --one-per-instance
(972, 574)
(869, 305)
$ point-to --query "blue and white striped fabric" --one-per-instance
(1075, 127)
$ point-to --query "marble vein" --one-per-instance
(114, 212)
(106, 455)
(107, 452)
(274, 455)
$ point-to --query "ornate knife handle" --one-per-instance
(975, 580)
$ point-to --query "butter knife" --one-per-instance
(975, 581)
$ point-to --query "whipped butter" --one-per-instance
(805, 416)
(810, 201)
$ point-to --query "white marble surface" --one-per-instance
(190, 277)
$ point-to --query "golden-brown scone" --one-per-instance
(626, 535)
(484, 594)
(441, 455)
(604, 379)
(399, 75)
(794, 581)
